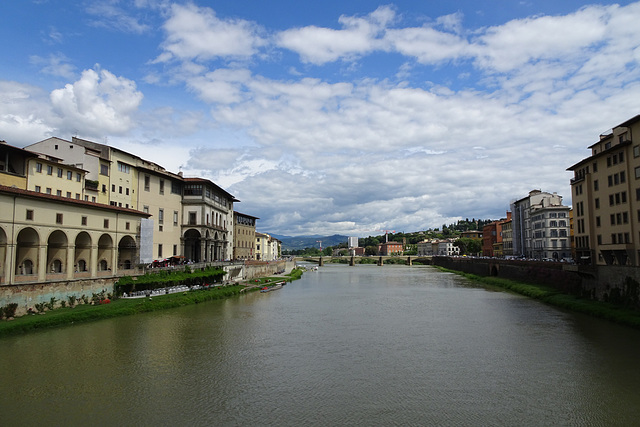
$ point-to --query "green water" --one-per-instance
(363, 345)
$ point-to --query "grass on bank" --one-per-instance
(603, 310)
(127, 306)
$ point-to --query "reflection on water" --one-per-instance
(362, 345)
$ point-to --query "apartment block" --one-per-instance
(606, 198)
(540, 226)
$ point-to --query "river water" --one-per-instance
(343, 346)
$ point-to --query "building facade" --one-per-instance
(540, 226)
(606, 199)
(244, 240)
(49, 238)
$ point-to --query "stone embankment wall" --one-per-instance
(28, 294)
(617, 284)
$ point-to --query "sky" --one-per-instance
(330, 117)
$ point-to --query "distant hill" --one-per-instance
(300, 242)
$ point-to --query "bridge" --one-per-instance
(353, 260)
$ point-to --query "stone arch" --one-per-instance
(192, 245)
(83, 251)
(57, 252)
(27, 245)
(105, 252)
(126, 252)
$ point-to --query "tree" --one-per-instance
(371, 250)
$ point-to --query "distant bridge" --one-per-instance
(352, 260)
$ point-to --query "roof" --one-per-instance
(213, 184)
(245, 215)
(66, 200)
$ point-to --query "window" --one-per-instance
(192, 218)
(175, 218)
(38, 189)
(175, 249)
(78, 177)
(68, 194)
(83, 220)
(597, 201)
(120, 189)
(93, 199)
(126, 190)
(162, 186)
(595, 184)
(637, 171)
(58, 218)
(77, 196)
(59, 193)
(160, 250)
(597, 221)
(59, 173)
(175, 187)
(104, 188)
(39, 167)
(104, 169)
(147, 180)
(69, 175)
(30, 214)
(127, 225)
(49, 170)
(113, 188)
(636, 151)
(160, 216)
(145, 209)
(123, 167)
(106, 223)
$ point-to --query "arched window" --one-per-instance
(103, 265)
(82, 265)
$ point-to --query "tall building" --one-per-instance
(352, 242)
(244, 240)
(606, 198)
(540, 226)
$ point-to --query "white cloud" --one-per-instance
(111, 16)
(55, 65)
(98, 104)
(320, 45)
(196, 33)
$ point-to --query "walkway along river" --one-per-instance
(359, 345)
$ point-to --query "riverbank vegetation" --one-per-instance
(87, 310)
(603, 310)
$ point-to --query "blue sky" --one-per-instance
(330, 117)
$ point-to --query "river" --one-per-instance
(343, 346)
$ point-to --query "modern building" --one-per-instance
(244, 241)
(606, 198)
(540, 226)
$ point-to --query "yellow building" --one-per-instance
(606, 199)
(244, 243)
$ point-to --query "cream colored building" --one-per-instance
(121, 179)
(46, 238)
(268, 248)
(606, 199)
(207, 229)
(244, 242)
